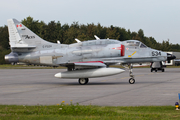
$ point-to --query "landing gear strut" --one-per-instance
(131, 80)
(83, 81)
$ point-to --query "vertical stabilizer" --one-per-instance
(21, 37)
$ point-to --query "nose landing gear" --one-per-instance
(131, 80)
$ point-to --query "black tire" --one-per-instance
(162, 70)
(131, 80)
(151, 70)
(87, 80)
(156, 70)
(83, 81)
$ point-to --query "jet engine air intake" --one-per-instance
(170, 57)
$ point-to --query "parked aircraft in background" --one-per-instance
(83, 60)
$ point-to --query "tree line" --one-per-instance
(66, 34)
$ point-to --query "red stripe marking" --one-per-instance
(117, 48)
(122, 50)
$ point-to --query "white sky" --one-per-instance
(157, 18)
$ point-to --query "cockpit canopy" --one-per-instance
(134, 43)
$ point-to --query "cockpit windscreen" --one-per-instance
(136, 44)
(132, 43)
(143, 46)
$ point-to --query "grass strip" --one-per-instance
(79, 112)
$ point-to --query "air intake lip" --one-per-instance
(170, 56)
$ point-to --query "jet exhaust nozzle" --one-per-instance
(11, 58)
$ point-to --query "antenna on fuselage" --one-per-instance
(58, 42)
(77, 40)
(97, 38)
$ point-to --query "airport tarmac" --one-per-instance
(40, 87)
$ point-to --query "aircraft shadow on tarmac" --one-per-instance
(99, 83)
(172, 71)
(169, 70)
(77, 84)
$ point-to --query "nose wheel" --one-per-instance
(131, 80)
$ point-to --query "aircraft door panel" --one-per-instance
(46, 59)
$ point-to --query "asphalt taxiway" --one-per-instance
(40, 87)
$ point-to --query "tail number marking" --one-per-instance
(46, 46)
(156, 53)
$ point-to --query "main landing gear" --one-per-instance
(83, 81)
(131, 80)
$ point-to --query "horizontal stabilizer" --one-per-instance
(23, 46)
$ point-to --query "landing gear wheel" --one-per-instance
(162, 70)
(131, 80)
(83, 81)
(151, 70)
(155, 70)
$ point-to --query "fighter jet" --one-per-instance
(83, 60)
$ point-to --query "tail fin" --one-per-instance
(21, 37)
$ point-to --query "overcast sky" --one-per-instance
(157, 18)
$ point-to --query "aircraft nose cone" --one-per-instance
(58, 75)
(170, 56)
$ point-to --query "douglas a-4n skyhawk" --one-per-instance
(83, 60)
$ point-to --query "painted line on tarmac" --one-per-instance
(107, 80)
